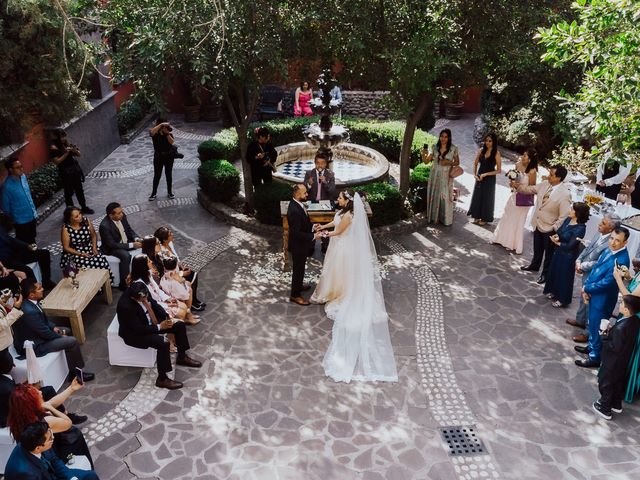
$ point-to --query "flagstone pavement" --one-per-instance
(477, 347)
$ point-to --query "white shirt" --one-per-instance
(616, 179)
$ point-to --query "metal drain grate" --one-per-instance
(462, 441)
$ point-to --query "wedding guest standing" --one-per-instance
(617, 347)
(302, 97)
(562, 271)
(510, 230)
(552, 206)
(487, 164)
(17, 201)
(609, 178)
(261, 157)
(444, 155)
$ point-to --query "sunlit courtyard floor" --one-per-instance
(476, 343)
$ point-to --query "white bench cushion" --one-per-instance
(125, 356)
(35, 266)
(6, 447)
(53, 366)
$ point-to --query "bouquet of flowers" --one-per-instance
(513, 174)
(71, 271)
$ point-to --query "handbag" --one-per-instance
(455, 171)
(524, 200)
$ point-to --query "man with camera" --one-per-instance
(143, 324)
(164, 153)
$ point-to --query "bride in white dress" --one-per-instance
(351, 287)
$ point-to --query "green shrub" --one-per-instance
(267, 200)
(385, 201)
(219, 180)
(131, 112)
(383, 136)
(44, 181)
(419, 181)
(223, 145)
(575, 159)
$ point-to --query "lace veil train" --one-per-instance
(360, 347)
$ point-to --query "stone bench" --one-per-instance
(121, 354)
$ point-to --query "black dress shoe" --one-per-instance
(168, 384)
(587, 363)
(77, 419)
(88, 376)
(541, 279)
(87, 210)
(528, 268)
(187, 361)
(582, 349)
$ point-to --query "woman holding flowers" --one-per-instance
(510, 230)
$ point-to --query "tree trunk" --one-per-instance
(405, 151)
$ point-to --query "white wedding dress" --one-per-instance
(351, 287)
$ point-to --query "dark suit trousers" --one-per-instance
(71, 349)
(26, 231)
(612, 386)
(298, 263)
(125, 261)
(72, 183)
(542, 247)
(160, 161)
(41, 255)
(157, 341)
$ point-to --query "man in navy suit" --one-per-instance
(45, 335)
(301, 242)
(585, 262)
(34, 459)
(600, 290)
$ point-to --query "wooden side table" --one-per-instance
(316, 216)
(66, 301)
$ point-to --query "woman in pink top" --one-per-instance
(303, 96)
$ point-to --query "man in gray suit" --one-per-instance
(585, 263)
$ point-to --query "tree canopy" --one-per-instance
(604, 40)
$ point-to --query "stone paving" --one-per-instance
(476, 343)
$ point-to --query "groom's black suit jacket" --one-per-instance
(300, 230)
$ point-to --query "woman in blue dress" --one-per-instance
(562, 271)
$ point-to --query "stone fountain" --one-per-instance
(352, 164)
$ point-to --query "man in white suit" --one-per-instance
(553, 203)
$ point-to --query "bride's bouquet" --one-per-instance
(513, 174)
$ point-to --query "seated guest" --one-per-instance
(562, 270)
(34, 459)
(618, 344)
(151, 248)
(622, 274)
(10, 279)
(7, 386)
(80, 242)
(118, 239)
(15, 254)
(142, 325)
(165, 235)
(26, 406)
(141, 268)
(9, 313)
(175, 285)
(45, 335)
(601, 292)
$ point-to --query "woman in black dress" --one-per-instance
(486, 166)
(261, 156)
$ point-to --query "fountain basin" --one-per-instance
(352, 164)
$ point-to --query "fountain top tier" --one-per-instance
(325, 135)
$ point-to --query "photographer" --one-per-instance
(164, 153)
(63, 155)
(261, 156)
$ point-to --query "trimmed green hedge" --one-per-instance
(267, 198)
(385, 201)
(418, 186)
(219, 180)
(383, 136)
(44, 181)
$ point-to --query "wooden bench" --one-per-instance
(65, 301)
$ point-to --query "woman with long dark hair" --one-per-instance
(487, 164)
(301, 100)
(510, 230)
(26, 406)
(444, 155)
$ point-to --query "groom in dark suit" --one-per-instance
(301, 242)
(118, 238)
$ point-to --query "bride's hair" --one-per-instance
(348, 196)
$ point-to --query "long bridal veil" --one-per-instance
(360, 347)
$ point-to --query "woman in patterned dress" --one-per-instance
(444, 155)
(80, 242)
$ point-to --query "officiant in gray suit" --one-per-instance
(321, 185)
(585, 262)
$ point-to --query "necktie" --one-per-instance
(546, 196)
(150, 311)
(318, 195)
(123, 236)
